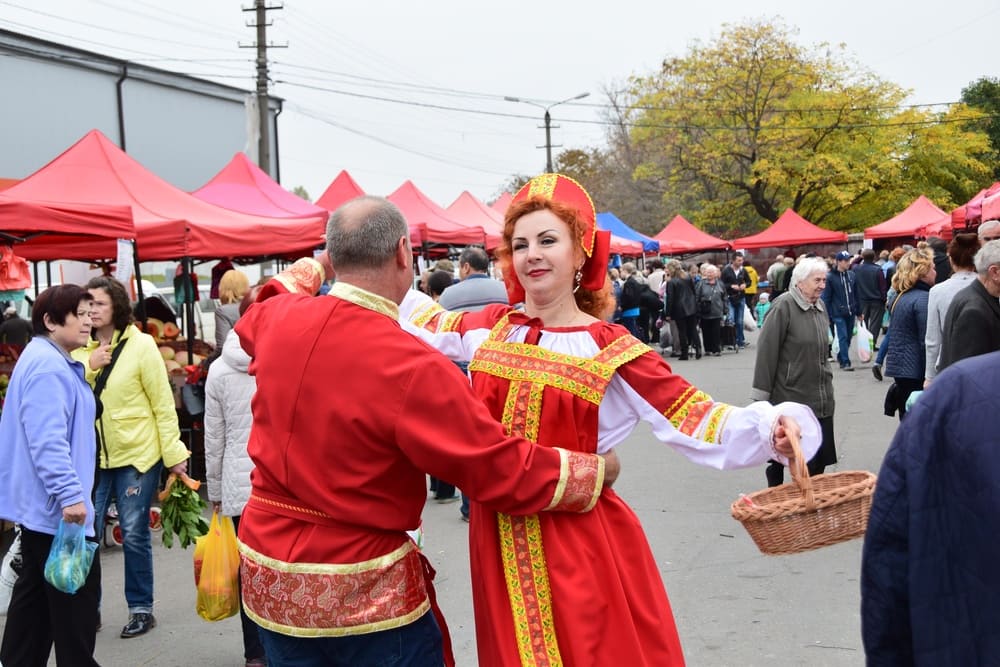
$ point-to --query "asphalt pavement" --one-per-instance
(733, 606)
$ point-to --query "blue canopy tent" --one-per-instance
(610, 222)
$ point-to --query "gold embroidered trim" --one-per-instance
(717, 422)
(519, 362)
(365, 299)
(622, 351)
(563, 478)
(529, 590)
(379, 563)
(544, 185)
(449, 321)
(599, 487)
(423, 314)
(378, 626)
(334, 600)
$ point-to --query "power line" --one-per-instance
(677, 126)
(321, 117)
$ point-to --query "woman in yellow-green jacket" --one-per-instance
(137, 433)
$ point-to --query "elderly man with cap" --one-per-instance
(842, 305)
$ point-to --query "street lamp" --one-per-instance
(548, 122)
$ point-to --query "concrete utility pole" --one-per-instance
(264, 142)
(548, 122)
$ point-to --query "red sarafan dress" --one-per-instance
(582, 589)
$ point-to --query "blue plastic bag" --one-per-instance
(70, 558)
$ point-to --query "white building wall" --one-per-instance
(182, 129)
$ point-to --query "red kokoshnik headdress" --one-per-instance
(596, 243)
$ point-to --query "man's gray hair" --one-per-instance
(807, 267)
(476, 258)
(987, 256)
(628, 268)
(364, 233)
(991, 227)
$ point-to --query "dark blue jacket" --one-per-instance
(930, 584)
(870, 282)
(909, 325)
(840, 296)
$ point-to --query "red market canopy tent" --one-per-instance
(342, 189)
(7, 182)
(169, 223)
(789, 230)
(429, 223)
(681, 237)
(968, 216)
(501, 204)
(243, 186)
(920, 214)
(470, 211)
(47, 232)
(626, 247)
(991, 207)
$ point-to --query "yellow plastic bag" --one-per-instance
(218, 594)
(199, 557)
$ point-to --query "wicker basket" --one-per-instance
(809, 512)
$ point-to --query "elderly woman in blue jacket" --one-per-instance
(48, 449)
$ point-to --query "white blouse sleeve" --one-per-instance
(709, 433)
(421, 316)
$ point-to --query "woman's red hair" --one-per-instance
(598, 303)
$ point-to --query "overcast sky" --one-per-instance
(465, 57)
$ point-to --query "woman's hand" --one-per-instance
(612, 466)
(180, 469)
(75, 513)
(100, 357)
(787, 426)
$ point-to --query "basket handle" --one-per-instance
(800, 474)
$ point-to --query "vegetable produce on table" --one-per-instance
(181, 511)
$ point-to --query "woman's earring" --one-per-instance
(577, 279)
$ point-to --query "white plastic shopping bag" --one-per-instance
(865, 343)
(8, 572)
(749, 321)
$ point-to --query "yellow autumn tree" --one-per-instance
(739, 129)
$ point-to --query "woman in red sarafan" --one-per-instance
(580, 589)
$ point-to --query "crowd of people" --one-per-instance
(541, 375)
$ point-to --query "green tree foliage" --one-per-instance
(301, 192)
(984, 95)
(738, 130)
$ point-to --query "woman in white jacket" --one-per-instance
(228, 418)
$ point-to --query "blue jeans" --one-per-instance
(736, 311)
(133, 492)
(415, 645)
(883, 348)
(844, 327)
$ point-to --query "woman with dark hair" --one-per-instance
(682, 308)
(137, 431)
(961, 251)
(581, 589)
(48, 451)
(912, 280)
